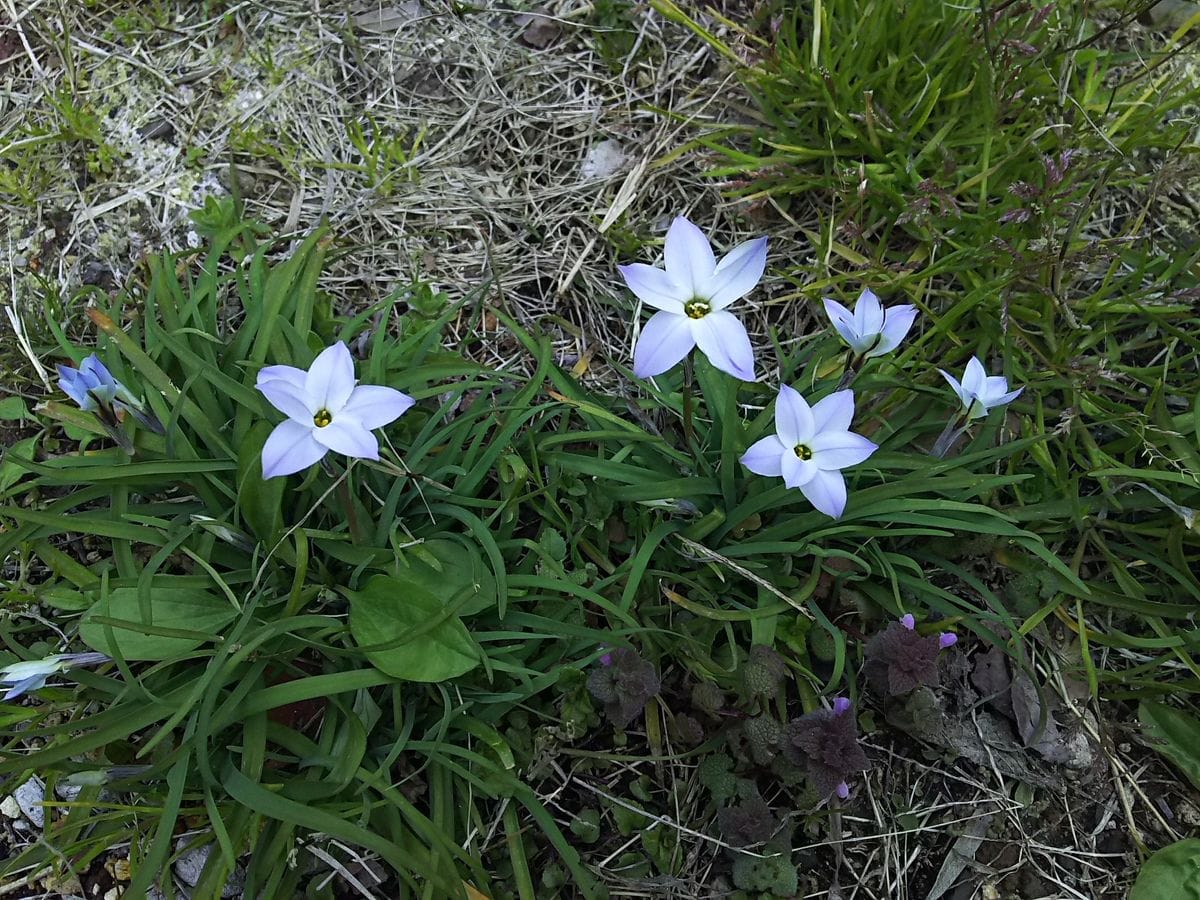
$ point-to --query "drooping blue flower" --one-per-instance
(91, 385)
(30, 675)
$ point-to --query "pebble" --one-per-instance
(29, 796)
(190, 865)
(603, 160)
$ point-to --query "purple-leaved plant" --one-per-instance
(624, 683)
(900, 660)
(826, 743)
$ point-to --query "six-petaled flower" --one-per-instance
(691, 295)
(325, 411)
(810, 447)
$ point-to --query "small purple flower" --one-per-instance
(826, 743)
(900, 660)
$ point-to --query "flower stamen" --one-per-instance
(322, 417)
(803, 452)
(697, 308)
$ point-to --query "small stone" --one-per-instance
(119, 869)
(113, 893)
(9, 808)
(97, 273)
(191, 864)
(605, 159)
(29, 797)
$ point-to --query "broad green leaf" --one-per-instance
(451, 572)
(10, 471)
(428, 643)
(13, 408)
(64, 598)
(183, 618)
(1175, 735)
(1173, 873)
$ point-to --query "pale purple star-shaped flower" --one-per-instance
(810, 447)
(980, 392)
(325, 411)
(691, 295)
(871, 330)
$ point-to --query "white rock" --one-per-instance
(29, 796)
(9, 808)
(190, 866)
(604, 159)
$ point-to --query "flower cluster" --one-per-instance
(624, 684)
(899, 659)
(812, 444)
(826, 742)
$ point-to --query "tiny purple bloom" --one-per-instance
(947, 639)
(908, 621)
(842, 790)
(841, 705)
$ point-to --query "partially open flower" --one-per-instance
(91, 385)
(691, 295)
(31, 675)
(871, 330)
(826, 742)
(978, 391)
(325, 411)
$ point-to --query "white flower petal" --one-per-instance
(993, 386)
(794, 421)
(868, 314)
(958, 388)
(765, 457)
(827, 492)
(374, 406)
(289, 448)
(1007, 398)
(797, 472)
(843, 321)
(897, 322)
(346, 436)
(665, 339)
(723, 339)
(654, 287)
(282, 373)
(288, 398)
(974, 378)
(689, 258)
(738, 272)
(840, 449)
(834, 413)
(330, 378)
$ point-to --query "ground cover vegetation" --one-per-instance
(872, 537)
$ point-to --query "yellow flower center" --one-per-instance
(322, 417)
(803, 452)
(697, 308)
